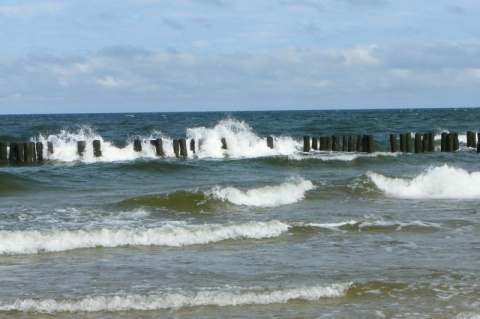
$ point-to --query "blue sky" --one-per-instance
(208, 55)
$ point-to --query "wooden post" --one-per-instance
(158, 144)
(137, 145)
(306, 143)
(359, 143)
(34, 151)
(192, 145)
(335, 143)
(3, 152)
(418, 143)
(409, 142)
(444, 141)
(345, 144)
(456, 144)
(39, 149)
(270, 142)
(18, 152)
(351, 144)
(27, 152)
(368, 143)
(403, 143)
(393, 143)
(425, 143)
(176, 147)
(97, 148)
(224, 143)
(478, 147)
(314, 143)
(81, 145)
(183, 147)
(449, 143)
(323, 144)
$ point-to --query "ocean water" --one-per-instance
(242, 232)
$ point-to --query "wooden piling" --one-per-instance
(315, 143)
(39, 149)
(323, 143)
(27, 152)
(183, 147)
(34, 151)
(137, 145)
(18, 152)
(224, 143)
(393, 143)
(443, 142)
(306, 143)
(418, 143)
(431, 142)
(449, 145)
(97, 148)
(471, 139)
(270, 142)
(456, 144)
(345, 143)
(81, 145)
(368, 143)
(335, 143)
(359, 143)
(425, 143)
(3, 152)
(351, 144)
(478, 147)
(403, 143)
(158, 144)
(176, 147)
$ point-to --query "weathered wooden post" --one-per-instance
(456, 144)
(176, 147)
(270, 142)
(39, 149)
(368, 143)
(335, 143)
(418, 143)
(444, 141)
(345, 143)
(478, 147)
(3, 152)
(81, 145)
(158, 143)
(27, 152)
(137, 145)
(471, 142)
(18, 152)
(11, 155)
(315, 143)
(224, 143)
(329, 143)
(192, 145)
(449, 145)
(393, 143)
(306, 143)
(425, 143)
(97, 148)
(403, 143)
(183, 147)
(323, 144)
(359, 143)
(351, 144)
(34, 151)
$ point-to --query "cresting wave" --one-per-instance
(219, 298)
(269, 196)
(178, 234)
(436, 182)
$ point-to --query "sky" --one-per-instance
(217, 55)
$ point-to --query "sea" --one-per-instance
(243, 232)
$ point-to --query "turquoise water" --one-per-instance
(247, 232)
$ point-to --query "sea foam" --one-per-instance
(436, 182)
(178, 234)
(219, 298)
(286, 193)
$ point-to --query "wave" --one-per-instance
(172, 234)
(377, 225)
(443, 182)
(289, 192)
(269, 196)
(219, 298)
